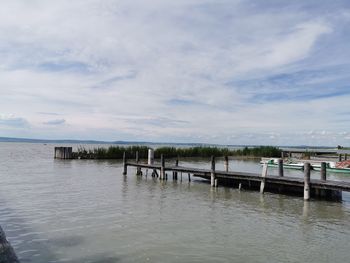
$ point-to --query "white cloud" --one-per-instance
(124, 67)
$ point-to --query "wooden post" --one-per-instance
(162, 168)
(263, 175)
(176, 164)
(323, 171)
(226, 163)
(138, 169)
(212, 174)
(282, 154)
(125, 171)
(150, 156)
(280, 167)
(307, 181)
(189, 177)
(340, 159)
(345, 157)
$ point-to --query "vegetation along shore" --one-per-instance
(116, 152)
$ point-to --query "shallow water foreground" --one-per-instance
(87, 211)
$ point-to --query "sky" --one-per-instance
(211, 71)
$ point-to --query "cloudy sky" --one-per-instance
(216, 71)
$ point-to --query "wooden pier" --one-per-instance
(306, 187)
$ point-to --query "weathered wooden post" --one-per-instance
(307, 181)
(150, 157)
(263, 175)
(176, 165)
(189, 177)
(212, 173)
(323, 171)
(226, 163)
(162, 168)
(280, 167)
(138, 169)
(124, 164)
(340, 159)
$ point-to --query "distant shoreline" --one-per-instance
(70, 141)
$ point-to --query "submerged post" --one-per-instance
(226, 163)
(212, 173)
(323, 171)
(124, 164)
(307, 181)
(263, 175)
(162, 167)
(280, 167)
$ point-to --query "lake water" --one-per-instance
(87, 211)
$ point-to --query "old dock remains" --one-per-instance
(306, 187)
(63, 153)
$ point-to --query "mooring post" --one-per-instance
(307, 181)
(323, 171)
(150, 157)
(189, 177)
(226, 163)
(212, 173)
(138, 169)
(176, 165)
(162, 168)
(340, 159)
(124, 164)
(280, 167)
(263, 175)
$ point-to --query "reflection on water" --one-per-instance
(87, 211)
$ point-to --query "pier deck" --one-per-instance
(318, 188)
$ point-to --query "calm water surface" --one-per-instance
(87, 211)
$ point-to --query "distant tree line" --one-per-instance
(116, 152)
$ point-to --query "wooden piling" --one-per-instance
(189, 177)
(125, 171)
(162, 167)
(323, 171)
(226, 163)
(263, 175)
(150, 156)
(340, 158)
(176, 165)
(307, 181)
(280, 167)
(138, 169)
(212, 173)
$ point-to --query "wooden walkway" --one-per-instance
(291, 181)
(282, 184)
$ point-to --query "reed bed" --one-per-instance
(116, 152)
